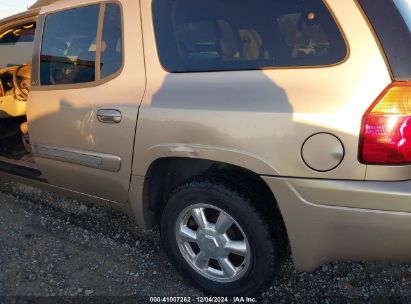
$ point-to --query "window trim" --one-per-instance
(38, 42)
(330, 10)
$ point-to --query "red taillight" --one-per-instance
(1, 91)
(386, 129)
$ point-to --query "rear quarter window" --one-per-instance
(218, 35)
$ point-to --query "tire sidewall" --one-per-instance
(261, 249)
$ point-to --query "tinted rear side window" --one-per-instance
(391, 20)
(68, 53)
(214, 35)
(70, 49)
(112, 41)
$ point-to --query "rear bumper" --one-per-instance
(345, 220)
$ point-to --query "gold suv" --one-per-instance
(242, 128)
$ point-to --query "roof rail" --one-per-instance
(41, 3)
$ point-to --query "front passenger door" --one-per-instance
(83, 106)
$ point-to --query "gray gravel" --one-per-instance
(51, 245)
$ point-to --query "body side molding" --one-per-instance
(102, 161)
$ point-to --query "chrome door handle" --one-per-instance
(109, 116)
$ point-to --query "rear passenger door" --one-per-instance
(88, 81)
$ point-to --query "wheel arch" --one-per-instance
(167, 173)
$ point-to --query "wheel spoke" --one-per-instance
(201, 260)
(227, 267)
(199, 217)
(188, 234)
(237, 247)
(213, 243)
(223, 223)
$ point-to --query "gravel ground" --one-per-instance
(51, 245)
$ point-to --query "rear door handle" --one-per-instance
(109, 116)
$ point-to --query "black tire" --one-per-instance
(265, 248)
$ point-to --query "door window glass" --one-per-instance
(68, 52)
(112, 42)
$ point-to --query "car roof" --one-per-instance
(41, 3)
